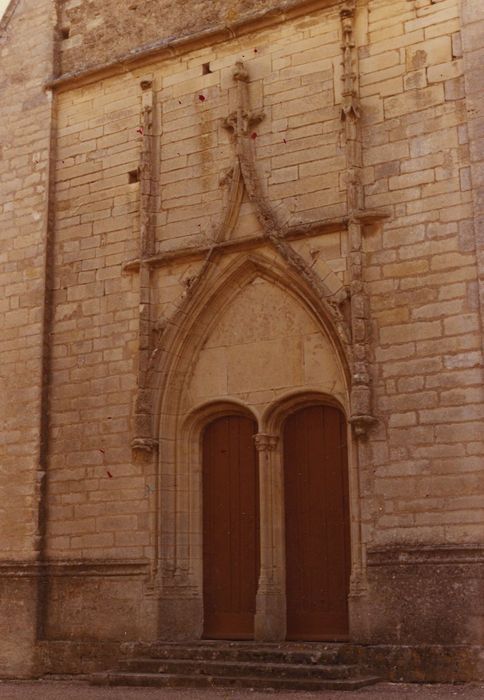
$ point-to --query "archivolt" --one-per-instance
(186, 332)
(277, 412)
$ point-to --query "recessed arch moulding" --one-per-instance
(257, 342)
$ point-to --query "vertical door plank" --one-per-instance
(230, 528)
(317, 524)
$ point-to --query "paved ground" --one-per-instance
(42, 690)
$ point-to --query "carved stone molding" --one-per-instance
(244, 119)
(143, 442)
(20, 569)
(265, 442)
(144, 445)
(75, 567)
(431, 555)
(350, 108)
(361, 391)
(292, 232)
(362, 424)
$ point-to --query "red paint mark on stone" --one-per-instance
(140, 130)
(284, 140)
(202, 98)
(253, 135)
(255, 50)
(103, 452)
(109, 474)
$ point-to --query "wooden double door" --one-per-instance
(316, 525)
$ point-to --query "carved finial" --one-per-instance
(241, 121)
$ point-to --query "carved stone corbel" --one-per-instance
(362, 424)
(144, 444)
(265, 442)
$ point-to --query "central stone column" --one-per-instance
(270, 618)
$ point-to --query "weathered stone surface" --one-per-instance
(98, 31)
(283, 216)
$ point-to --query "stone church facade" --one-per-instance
(242, 252)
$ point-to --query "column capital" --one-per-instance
(264, 442)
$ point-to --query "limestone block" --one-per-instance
(445, 71)
(265, 364)
(210, 374)
(320, 366)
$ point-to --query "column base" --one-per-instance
(270, 618)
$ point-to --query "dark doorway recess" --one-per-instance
(230, 527)
(317, 524)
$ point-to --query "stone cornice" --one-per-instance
(19, 569)
(405, 555)
(75, 567)
(170, 47)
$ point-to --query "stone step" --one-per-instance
(236, 668)
(313, 653)
(205, 681)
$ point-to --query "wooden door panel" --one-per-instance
(317, 524)
(230, 528)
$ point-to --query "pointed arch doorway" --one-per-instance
(316, 523)
(214, 372)
(230, 489)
